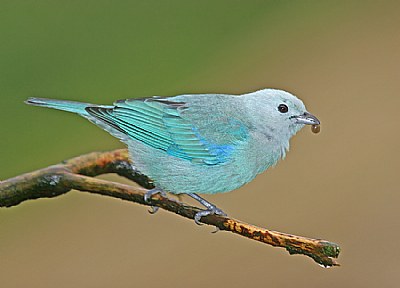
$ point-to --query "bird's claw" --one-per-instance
(216, 230)
(154, 209)
(148, 196)
(210, 211)
(150, 193)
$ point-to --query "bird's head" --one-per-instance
(278, 114)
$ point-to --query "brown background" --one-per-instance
(341, 57)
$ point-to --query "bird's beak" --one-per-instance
(307, 119)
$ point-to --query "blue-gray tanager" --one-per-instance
(207, 144)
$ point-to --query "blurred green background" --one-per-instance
(341, 57)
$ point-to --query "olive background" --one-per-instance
(340, 57)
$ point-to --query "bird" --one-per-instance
(199, 143)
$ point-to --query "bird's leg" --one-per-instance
(211, 208)
(150, 193)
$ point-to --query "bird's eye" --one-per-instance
(283, 108)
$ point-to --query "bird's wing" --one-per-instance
(166, 125)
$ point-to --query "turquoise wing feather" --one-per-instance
(170, 126)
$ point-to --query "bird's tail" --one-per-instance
(70, 106)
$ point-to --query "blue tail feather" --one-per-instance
(70, 106)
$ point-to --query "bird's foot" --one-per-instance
(212, 210)
(149, 194)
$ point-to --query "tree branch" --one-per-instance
(77, 173)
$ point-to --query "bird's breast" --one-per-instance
(177, 175)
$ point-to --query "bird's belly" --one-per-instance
(210, 180)
(178, 176)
